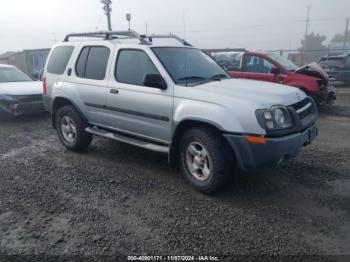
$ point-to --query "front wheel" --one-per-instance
(71, 129)
(203, 160)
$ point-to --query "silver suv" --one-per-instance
(172, 99)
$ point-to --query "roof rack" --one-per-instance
(109, 35)
(122, 35)
(173, 36)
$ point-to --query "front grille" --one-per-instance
(304, 108)
(30, 98)
(301, 104)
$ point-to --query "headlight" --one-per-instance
(7, 98)
(277, 117)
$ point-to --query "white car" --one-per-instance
(19, 93)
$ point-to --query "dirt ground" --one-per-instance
(116, 200)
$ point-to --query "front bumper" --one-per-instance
(250, 155)
(16, 109)
(328, 96)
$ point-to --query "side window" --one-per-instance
(348, 60)
(257, 64)
(132, 66)
(80, 67)
(59, 59)
(92, 62)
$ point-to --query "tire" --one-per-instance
(217, 160)
(71, 129)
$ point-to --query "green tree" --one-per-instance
(339, 38)
(312, 47)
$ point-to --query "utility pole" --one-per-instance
(307, 20)
(108, 10)
(306, 33)
(146, 29)
(346, 34)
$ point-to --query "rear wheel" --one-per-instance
(203, 160)
(71, 129)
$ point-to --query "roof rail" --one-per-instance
(173, 36)
(109, 35)
(129, 34)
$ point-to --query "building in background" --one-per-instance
(30, 61)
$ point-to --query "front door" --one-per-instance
(259, 68)
(134, 108)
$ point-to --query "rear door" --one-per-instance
(88, 81)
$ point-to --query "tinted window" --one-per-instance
(80, 67)
(59, 59)
(257, 64)
(92, 62)
(132, 66)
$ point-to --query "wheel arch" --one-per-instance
(181, 128)
(59, 102)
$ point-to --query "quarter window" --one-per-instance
(59, 59)
(92, 62)
(132, 66)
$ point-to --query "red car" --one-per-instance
(271, 67)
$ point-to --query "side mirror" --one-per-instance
(154, 80)
(275, 71)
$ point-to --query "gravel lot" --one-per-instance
(116, 199)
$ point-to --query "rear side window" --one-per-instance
(132, 66)
(59, 59)
(92, 62)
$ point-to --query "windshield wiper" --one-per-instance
(189, 78)
(218, 77)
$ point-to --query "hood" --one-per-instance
(21, 88)
(314, 70)
(262, 94)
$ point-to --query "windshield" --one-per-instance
(188, 65)
(289, 65)
(13, 75)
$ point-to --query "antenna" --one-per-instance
(108, 10)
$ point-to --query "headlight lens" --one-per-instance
(7, 98)
(276, 118)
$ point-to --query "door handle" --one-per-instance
(114, 91)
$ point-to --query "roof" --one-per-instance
(337, 56)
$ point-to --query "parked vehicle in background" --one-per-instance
(271, 67)
(174, 100)
(337, 67)
(19, 93)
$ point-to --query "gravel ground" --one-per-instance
(116, 199)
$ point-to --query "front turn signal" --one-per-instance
(256, 140)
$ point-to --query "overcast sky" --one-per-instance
(253, 24)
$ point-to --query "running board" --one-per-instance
(127, 140)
